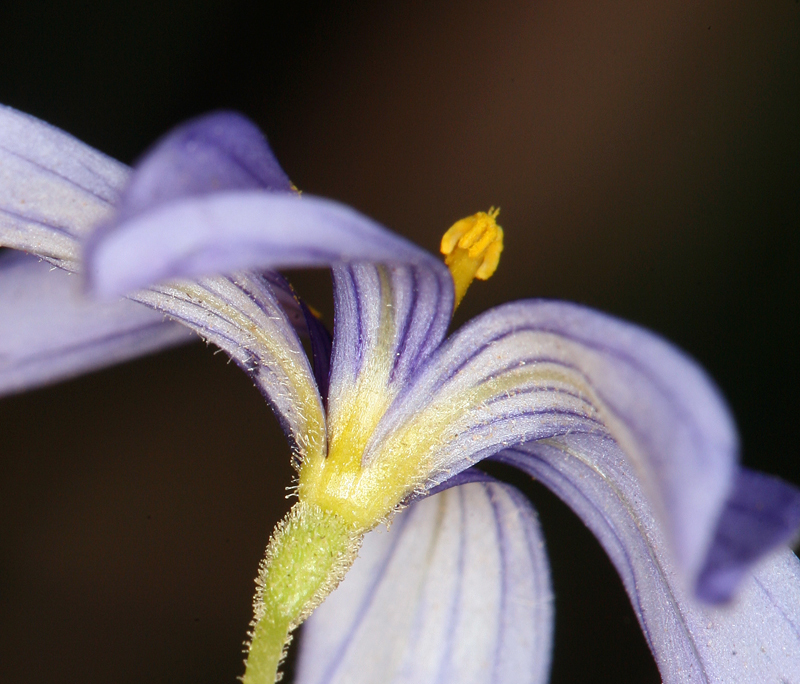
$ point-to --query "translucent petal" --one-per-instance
(53, 188)
(212, 153)
(456, 592)
(754, 640)
(233, 230)
(761, 514)
(49, 331)
(538, 369)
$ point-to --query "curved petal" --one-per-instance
(243, 315)
(321, 343)
(53, 188)
(456, 592)
(49, 331)
(389, 319)
(187, 212)
(755, 640)
(402, 309)
(538, 369)
(236, 230)
(761, 514)
(212, 153)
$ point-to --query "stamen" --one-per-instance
(472, 250)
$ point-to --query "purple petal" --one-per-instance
(755, 640)
(53, 188)
(321, 344)
(239, 230)
(212, 153)
(538, 369)
(49, 331)
(461, 478)
(761, 514)
(291, 304)
(389, 319)
(243, 315)
(456, 592)
(193, 208)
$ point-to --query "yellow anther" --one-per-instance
(472, 249)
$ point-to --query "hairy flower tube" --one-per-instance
(387, 419)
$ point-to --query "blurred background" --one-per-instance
(646, 156)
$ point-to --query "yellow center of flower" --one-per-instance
(472, 249)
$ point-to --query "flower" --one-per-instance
(618, 423)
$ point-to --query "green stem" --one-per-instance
(308, 555)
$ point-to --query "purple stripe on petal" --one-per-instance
(389, 318)
(53, 188)
(657, 404)
(407, 610)
(240, 230)
(321, 345)
(448, 652)
(61, 155)
(23, 221)
(461, 478)
(50, 332)
(242, 315)
(761, 514)
(212, 153)
(287, 298)
(751, 641)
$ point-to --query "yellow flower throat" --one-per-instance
(338, 482)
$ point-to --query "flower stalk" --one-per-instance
(309, 553)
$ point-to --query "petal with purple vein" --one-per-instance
(539, 369)
(49, 331)
(457, 591)
(238, 230)
(243, 315)
(212, 153)
(389, 318)
(53, 188)
(756, 639)
(762, 513)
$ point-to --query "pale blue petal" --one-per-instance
(223, 231)
(457, 591)
(754, 640)
(538, 369)
(210, 198)
(389, 319)
(762, 513)
(239, 230)
(49, 331)
(53, 188)
(212, 153)
(243, 315)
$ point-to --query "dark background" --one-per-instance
(646, 156)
